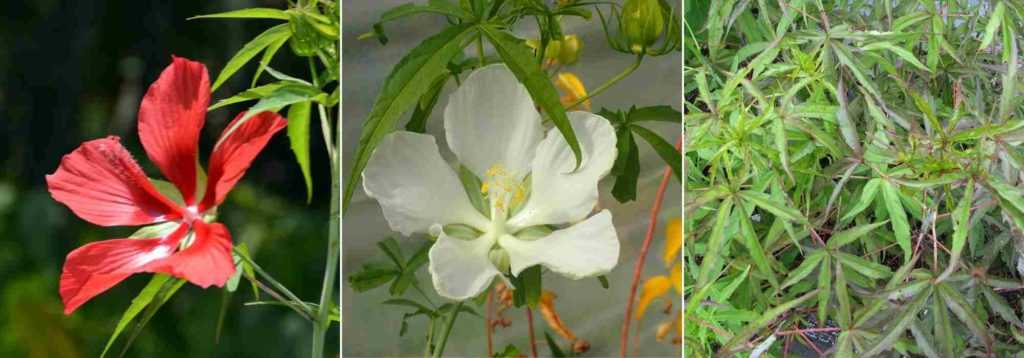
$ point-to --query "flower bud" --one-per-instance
(570, 51)
(642, 21)
(551, 53)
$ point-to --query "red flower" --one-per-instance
(101, 183)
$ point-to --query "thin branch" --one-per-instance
(638, 269)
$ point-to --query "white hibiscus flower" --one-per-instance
(528, 183)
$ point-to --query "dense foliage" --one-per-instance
(853, 177)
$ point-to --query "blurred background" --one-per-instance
(76, 70)
(592, 312)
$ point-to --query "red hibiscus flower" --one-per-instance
(101, 183)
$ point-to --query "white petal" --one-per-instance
(491, 120)
(558, 194)
(415, 187)
(461, 268)
(589, 248)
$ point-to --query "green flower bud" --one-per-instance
(306, 39)
(570, 51)
(552, 52)
(642, 21)
(499, 257)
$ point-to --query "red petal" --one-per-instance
(206, 262)
(170, 118)
(98, 266)
(102, 184)
(238, 146)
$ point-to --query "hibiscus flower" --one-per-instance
(528, 185)
(102, 184)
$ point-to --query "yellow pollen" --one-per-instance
(502, 188)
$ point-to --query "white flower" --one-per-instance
(527, 179)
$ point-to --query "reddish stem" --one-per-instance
(529, 322)
(809, 330)
(639, 268)
(489, 322)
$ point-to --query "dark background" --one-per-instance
(75, 70)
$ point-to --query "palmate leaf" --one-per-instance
(410, 79)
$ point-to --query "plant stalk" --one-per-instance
(447, 330)
(604, 86)
(638, 269)
(321, 324)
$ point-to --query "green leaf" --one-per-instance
(519, 59)
(965, 312)
(660, 113)
(800, 272)
(278, 99)
(408, 275)
(418, 122)
(994, 20)
(409, 9)
(718, 240)
(855, 67)
(824, 288)
(407, 82)
(390, 248)
(408, 303)
(250, 13)
(629, 156)
(371, 276)
(1002, 308)
(298, 136)
(250, 50)
(903, 53)
(749, 238)
(530, 279)
(268, 55)
(765, 319)
(250, 94)
(555, 351)
(157, 291)
(840, 239)
(780, 210)
(898, 217)
(864, 267)
(604, 281)
(961, 226)
(902, 321)
(867, 197)
(1008, 96)
(666, 151)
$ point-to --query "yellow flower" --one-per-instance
(653, 288)
(673, 240)
(572, 90)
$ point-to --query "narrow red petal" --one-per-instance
(96, 267)
(207, 261)
(170, 119)
(102, 184)
(238, 146)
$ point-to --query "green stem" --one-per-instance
(448, 324)
(430, 339)
(322, 323)
(273, 282)
(480, 49)
(625, 73)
